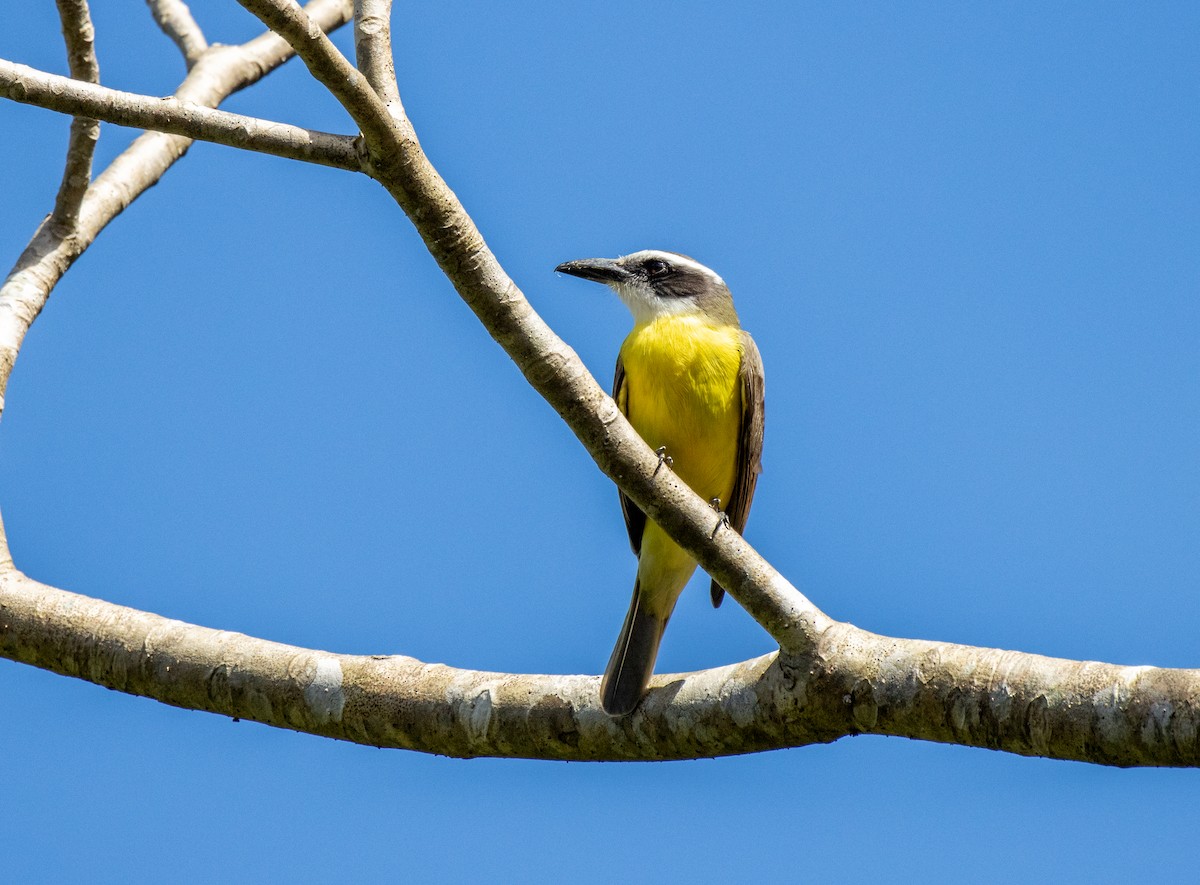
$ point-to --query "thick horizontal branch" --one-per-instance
(853, 682)
(177, 117)
(1002, 700)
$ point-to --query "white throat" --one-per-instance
(647, 306)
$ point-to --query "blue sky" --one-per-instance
(965, 240)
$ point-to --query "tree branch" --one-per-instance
(79, 36)
(829, 679)
(883, 685)
(177, 117)
(222, 71)
(373, 51)
(175, 20)
(852, 682)
(396, 160)
(332, 69)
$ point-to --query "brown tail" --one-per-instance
(632, 662)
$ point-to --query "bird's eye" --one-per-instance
(656, 267)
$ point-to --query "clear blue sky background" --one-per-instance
(966, 242)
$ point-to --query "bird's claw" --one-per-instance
(722, 517)
(663, 458)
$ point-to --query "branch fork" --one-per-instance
(827, 681)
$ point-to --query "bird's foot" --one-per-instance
(663, 458)
(722, 517)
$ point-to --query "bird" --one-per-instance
(690, 381)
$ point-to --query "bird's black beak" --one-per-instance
(601, 270)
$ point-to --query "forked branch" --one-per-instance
(828, 680)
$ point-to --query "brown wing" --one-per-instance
(635, 520)
(750, 443)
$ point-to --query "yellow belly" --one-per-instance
(682, 392)
(681, 378)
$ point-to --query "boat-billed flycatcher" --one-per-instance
(690, 381)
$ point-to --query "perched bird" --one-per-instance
(690, 381)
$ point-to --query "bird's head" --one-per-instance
(654, 284)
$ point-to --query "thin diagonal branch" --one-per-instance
(396, 160)
(79, 36)
(175, 20)
(30, 86)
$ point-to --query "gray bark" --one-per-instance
(827, 681)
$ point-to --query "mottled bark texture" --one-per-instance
(829, 680)
(171, 115)
(851, 682)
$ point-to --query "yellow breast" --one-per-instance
(682, 392)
